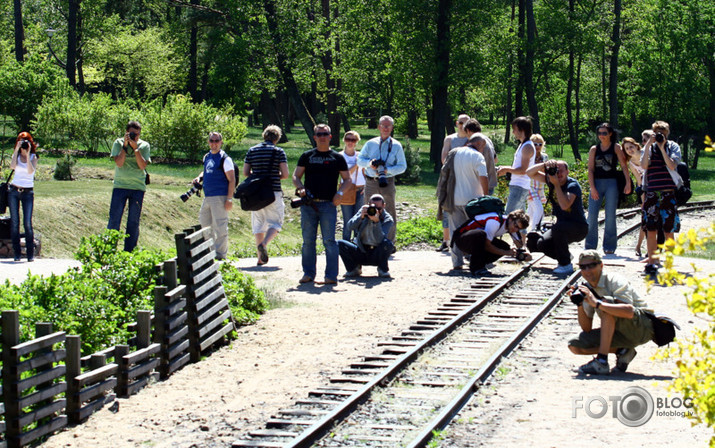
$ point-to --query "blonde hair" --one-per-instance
(353, 133)
(537, 138)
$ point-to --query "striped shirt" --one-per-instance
(658, 176)
(259, 157)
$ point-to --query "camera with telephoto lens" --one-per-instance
(24, 144)
(133, 135)
(552, 170)
(302, 200)
(521, 254)
(379, 166)
(659, 137)
(577, 296)
(195, 188)
(371, 210)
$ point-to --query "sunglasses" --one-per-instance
(538, 144)
(213, 140)
(585, 267)
(322, 134)
(350, 139)
(602, 132)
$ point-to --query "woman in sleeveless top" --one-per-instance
(633, 152)
(537, 192)
(520, 183)
(351, 139)
(603, 161)
(24, 162)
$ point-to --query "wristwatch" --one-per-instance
(598, 304)
(229, 200)
(340, 193)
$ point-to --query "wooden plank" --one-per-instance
(52, 426)
(91, 392)
(43, 377)
(177, 335)
(41, 395)
(201, 247)
(108, 352)
(39, 361)
(96, 375)
(202, 262)
(143, 368)
(210, 312)
(37, 344)
(202, 302)
(140, 355)
(191, 238)
(198, 277)
(40, 413)
(178, 363)
(206, 286)
(209, 327)
(140, 384)
(257, 444)
(175, 293)
(176, 321)
(92, 407)
(175, 307)
(178, 348)
(216, 336)
(272, 433)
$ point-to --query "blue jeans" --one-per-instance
(607, 190)
(27, 199)
(351, 210)
(325, 214)
(353, 257)
(120, 196)
(517, 199)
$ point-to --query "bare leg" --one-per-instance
(589, 351)
(445, 234)
(608, 327)
(652, 245)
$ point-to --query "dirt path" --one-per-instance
(320, 329)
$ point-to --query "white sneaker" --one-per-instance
(564, 269)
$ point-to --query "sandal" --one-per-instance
(638, 252)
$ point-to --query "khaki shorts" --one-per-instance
(269, 217)
(629, 333)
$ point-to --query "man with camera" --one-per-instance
(624, 323)
(131, 157)
(480, 237)
(320, 197)
(218, 179)
(567, 207)
(383, 158)
(660, 160)
(266, 159)
(371, 245)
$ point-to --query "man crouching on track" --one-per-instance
(624, 323)
(371, 245)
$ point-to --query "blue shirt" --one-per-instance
(389, 150)
(215, 181)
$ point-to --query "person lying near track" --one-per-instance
(624, 323)
(479, 237)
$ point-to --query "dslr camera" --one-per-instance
(195, 188)
(520, 254)
(577, 296)
(372, 210)
(659, 137)
(302, 200)
(552, 170)
(379, 166)
(24, 144)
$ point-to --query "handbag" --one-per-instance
(350, 194)
(4, 188)
(256, 191)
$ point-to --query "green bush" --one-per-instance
(424, 229)
(246, 301)
(179, 127)
(63, 168)
(411, 176)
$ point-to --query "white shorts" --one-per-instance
(269, 217)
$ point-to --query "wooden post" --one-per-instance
(170, 275)
(123, 374)
(184, 262)
(10, 338)
(74, 369)
(143, 329)
(43, 329)
(160, 330)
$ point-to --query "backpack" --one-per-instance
(484, 204)
(472, 224)
(663, 328)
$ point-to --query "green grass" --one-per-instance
(67, 210)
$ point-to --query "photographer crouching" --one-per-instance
(624, 323)
(371, 246)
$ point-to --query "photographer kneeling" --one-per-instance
(371, 245)
(624, 323)
(479, 237)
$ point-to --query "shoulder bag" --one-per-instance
(350, 194)
(4, 187)
(256, 191)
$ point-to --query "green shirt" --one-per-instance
(129, 176)
(615, 289)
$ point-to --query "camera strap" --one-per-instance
(389, 148)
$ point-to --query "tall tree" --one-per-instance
(529, 64)
(440, 82)
(613, 77)
(19, 32)
(73, 19)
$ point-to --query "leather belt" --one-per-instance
(20, 189)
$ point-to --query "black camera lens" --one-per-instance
(24, 144)
(659, 137)
(372, 210)
(577, 298)
(552, 170)
(133, 135)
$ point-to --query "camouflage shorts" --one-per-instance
(660, 209)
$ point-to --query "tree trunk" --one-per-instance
(613, 79)
(412, 124)
(573, 138)
(577, 122)
(519, 93)
(19, 32)
(331, 97)
(529, 66)
(286, 73)
(710, 120)
(604, 101)
(193, 80)
(440, 82)
(72, 19)
(509, 116)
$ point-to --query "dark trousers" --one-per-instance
(353, 257)
(474, 242)
(555, 242)
(120, 198)
(26, 199)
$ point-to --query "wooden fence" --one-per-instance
(47, 383)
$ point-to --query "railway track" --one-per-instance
(421, 378)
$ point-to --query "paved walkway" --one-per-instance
(17, 271)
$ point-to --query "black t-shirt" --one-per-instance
(322, 170)
(573, 214)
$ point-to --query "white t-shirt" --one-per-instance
(469, 164)
(522, 180)
(352, 161)
(22, 178)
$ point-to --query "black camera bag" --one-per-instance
(663, 328)
(256, 191)
(4, 190)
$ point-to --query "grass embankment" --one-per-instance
(67, 210)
